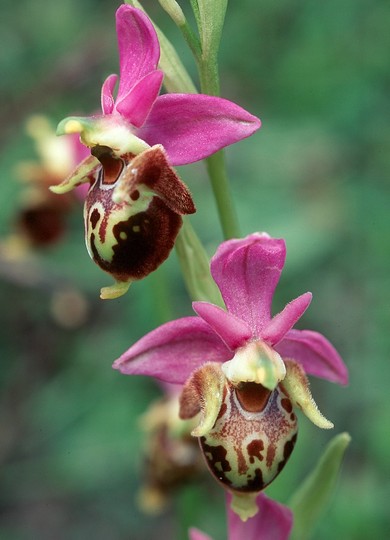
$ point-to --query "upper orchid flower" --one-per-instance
(272, 522)
(134, 206)
(243, 369)
(132, 212)
(189, 126)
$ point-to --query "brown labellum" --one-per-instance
(133, 212)
(251, 435)
(41, 218)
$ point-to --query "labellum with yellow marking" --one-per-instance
(132, 212)
(246, 434)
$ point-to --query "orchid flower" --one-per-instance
(190, 127)
(272, 522)
(134, 206)
(132, 212)
(132, 215)
(242, 369)
(171, 455)
(41, 218)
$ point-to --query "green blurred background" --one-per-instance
(317, 73)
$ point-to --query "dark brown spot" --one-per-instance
(134, 195)
(288, 448)
(270, 455)
(222, 411)
(242, 464)
(255, 449)
(216, 460)
(94, 217)
(254, 484)
(143, 242)
(286, 404)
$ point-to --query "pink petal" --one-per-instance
(272, 522)
(285, 320)
(78, 149)
(234, 332)
(135, 106)
(194, 126)
(247, 272)
(107, 98)
(196, 534)
(173, 351)
(315, 353)
(139, 49)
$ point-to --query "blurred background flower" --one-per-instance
(316, 173)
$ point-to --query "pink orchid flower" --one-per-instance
(42, 217)
(273, 522)
(190, 127)
(242, 369)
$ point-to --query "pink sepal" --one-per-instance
(247, 272)
(234, 332)
(285, 320)
(173, 351)
(139, 49)
(196, 534)
(273, 521)
(136, 105)
(194, 126)
(315, 353)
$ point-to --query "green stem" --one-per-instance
(208, 74)
(219, 181)
(195, 266)
(191, 39)
(216, 166)
(162, 299)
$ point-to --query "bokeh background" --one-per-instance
(317, 173)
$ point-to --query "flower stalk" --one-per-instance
(217, 172)
(210, 18)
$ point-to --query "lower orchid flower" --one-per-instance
(273, 521)
(243, 371)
